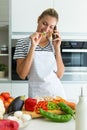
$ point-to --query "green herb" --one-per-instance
(3, 67)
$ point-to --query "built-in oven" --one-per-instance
(74, 54)
(14, 75)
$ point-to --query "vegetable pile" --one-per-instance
(67, 116)
(6, 98)
(46, 107)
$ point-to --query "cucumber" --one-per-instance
(16, 104)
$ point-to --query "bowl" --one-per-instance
(22, 119)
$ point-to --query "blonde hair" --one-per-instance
(52, 12)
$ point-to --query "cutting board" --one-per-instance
(35, 115)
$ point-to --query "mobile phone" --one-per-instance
(53, 35)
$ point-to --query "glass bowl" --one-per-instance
(22, 119)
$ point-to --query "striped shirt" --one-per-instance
(23, 46)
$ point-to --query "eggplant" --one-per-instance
(16, 104)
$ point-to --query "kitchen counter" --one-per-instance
(43, 124)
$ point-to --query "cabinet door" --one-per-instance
(5, 87)
(4, 9)
(19, 89)
(72, 15)
(25, 14)
(73, 90)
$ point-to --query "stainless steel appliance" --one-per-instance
(74, 54)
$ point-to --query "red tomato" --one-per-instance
(10, 99)
(6, 95)
(6, 104)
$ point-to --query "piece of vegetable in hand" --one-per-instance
(43, 33)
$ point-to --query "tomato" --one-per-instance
(6, 104)
(6, 95)
(10, 99)
(2, 98)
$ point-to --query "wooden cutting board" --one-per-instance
(35, 115)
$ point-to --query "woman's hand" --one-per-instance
(35, 38)
(57, 40)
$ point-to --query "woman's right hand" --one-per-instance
(35, 38)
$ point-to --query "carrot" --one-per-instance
(70, 104)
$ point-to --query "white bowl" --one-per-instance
(23, 121)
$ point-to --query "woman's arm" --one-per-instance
(24, 64)
(59, 62)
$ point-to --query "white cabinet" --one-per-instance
(73, 90)
(15, 89)
(4, 11)
(5, 87)
(72, 15)
(25, 14)
(19, 89)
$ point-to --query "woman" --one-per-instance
(39, 57)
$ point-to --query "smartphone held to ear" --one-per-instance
(53, 35)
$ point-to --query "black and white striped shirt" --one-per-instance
(23, 45)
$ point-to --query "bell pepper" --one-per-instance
(41, 104)
(52, 106)
(30, 104)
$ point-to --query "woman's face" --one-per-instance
(46, 24)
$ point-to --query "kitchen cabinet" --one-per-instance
(72, 19)
(72, 16)
(19, 89)
(25, 14)
(4, 37)
(4, 12)
(5, 87)
(15, 89)
(73, 89)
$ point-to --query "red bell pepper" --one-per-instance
(41, 104)
(30, 104)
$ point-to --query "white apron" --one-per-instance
(42, 78)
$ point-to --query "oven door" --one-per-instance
(74, 57)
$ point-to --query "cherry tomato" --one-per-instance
(6, 95)
(10, 99)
